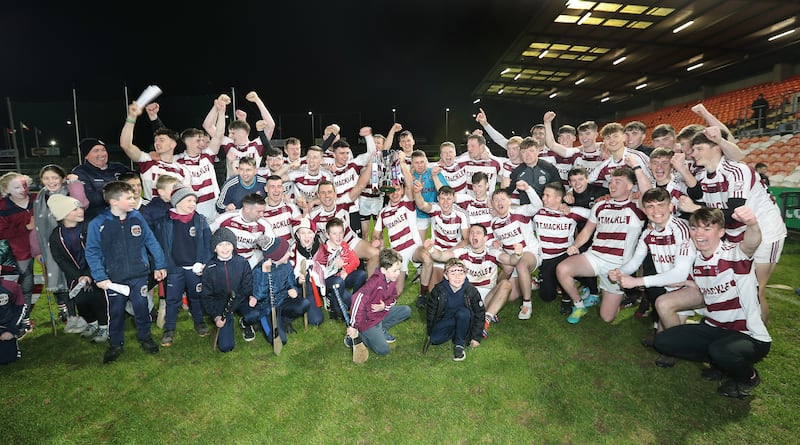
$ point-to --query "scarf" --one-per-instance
(182, 218)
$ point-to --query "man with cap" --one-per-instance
(227, 287)
(185, 238)
(95, 172)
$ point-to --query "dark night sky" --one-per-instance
(357, 55)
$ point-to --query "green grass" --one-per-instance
(535, 381)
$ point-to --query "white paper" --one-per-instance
(120, 289)
(148, 95)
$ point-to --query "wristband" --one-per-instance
(130, 121)
(638, 167)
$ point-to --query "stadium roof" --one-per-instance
(630, 54)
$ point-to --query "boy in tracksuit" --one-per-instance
(283, 285)
(185, 237)
(12, 304)
(117, 243)
(227, 287)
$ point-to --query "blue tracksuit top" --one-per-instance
(163, 232)
(220, 278)
(282, 280)
(116, 250)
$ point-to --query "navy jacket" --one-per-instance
(117, 250)
(93, 180)
(222, 277)
(163, 232)
(282, 280)
(437, 302)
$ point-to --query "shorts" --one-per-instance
(407, 255)
(769, 252)
(369, 207)
(601, 269)
(423, 223)
(484, 293)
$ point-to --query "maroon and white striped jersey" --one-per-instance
(516, 228)
(253, 149)
(505, 173)
(738, 180)
(448, 230)
(456, 177)
(203, 179)
(151, 169)
(246, 234)
(280, 218)
(482, 268)
(341, 210)
(556, 230)
(471, 166)
(479, 212)
(618, 225)
(344, 179)
(729, 287)
(671, 250)
(589, 160)
(305, 184)
(400, 222)
(602, 174)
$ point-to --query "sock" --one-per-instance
(579, 304)
(566, 300)
(527, 303)
(423, 289)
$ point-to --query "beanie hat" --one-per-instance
(179, 192)
(274, 248)
(305, 223)
(223, 234)
(61, 205)
(87, 144)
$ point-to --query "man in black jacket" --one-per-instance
(534, 171)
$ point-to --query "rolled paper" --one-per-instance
(120, 289)
(148, 95)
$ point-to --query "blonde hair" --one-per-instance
(165, 182)
(6, 179)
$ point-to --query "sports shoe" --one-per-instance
(591, 300)
(629, 301)
(535, 283)
(101, 336)
(149, 346)
(201, 329)
(740, 390)
(389, 337)
(485, 331)
(112, 354)
(248, 331)
(648, 341)
(459, 354)
(712, 374)
(644, 308)
(585, 292)
(90, 331)
(422, 302)
(348, 341)
(75, 325)
(566, 307)
(525, 312)
(287, 326)
(577, 313)
(168, 338)
(665, 361)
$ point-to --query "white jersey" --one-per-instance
(280, 218)
(671, 250)
(246, 234)
(400, 221)
(447, 230)
(730, 290)
(151, 169)
(516, 228)
(456, 177)
(482, 268)
(602, 175)
(618, 225)
(676, 188)
(471, 166)
(341, 210)
(505, 173)
(479, 212)
(556, 230)
(589, 160)
(345, 179)
(305, 184)
(203, 179)
(739, 180)
(253, 149)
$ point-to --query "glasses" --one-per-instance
(456, 271)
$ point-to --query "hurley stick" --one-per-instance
(277, 343)
(360, 351)
(304, 268)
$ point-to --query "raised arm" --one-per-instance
(550, 140)
(729, 147)
(387, 144)
(265, 115)
(495, 135)
(211, 122)
(752, 234)
(126, 137)
(219, 126)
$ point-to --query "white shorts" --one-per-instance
(369, 206)
(769, 252)
(423, 223)
(601, 269)
(407, 255)
(484, 292)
